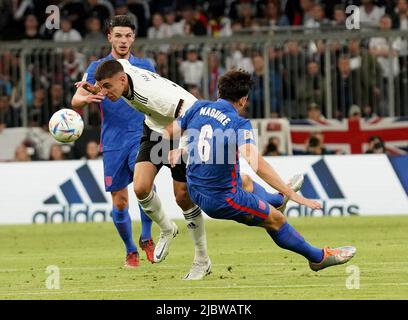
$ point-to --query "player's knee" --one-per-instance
(141, 191)
(183, 199)
(120, 202)
(275, 220)
(246, 183)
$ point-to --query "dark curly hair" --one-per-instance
(234, 85)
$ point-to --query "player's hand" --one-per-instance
(174, 157)
(94, 98)
(313, 204)
(304, 201)
(88, 87)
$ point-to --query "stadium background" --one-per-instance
(320, 89)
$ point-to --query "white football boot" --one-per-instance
(162, 246)
(199, 270)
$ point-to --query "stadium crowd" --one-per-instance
(361, 70)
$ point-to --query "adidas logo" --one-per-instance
(319, 183)
(82, 189)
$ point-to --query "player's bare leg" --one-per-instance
(277, 200)
(123, 224)
(195, 225)
(288, 238)
(143, 179)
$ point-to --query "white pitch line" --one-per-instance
(360, 264)
(50, 292)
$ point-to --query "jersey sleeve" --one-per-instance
(245, 133)
(89, 75)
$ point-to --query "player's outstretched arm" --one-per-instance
(85, 94)
(263, 169)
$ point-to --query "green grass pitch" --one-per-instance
(246, 262)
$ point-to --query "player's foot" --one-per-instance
(148, 247)
(199, 270)
(295, 183)
(132, 260)
(334, 257)
(162, 247)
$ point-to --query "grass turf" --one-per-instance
(246, 262)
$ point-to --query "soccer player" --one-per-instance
(216, 134)
(161, 101)
(121, 132)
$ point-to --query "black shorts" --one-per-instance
(154, 151)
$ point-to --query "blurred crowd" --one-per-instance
(25, 19)
(362, 70)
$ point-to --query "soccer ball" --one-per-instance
(66, 125)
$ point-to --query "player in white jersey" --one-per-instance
(162, 101)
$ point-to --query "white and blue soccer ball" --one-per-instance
(66, 125)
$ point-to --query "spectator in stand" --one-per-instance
(172, 25)
(257, 94)
(346, 87)
(339, 17)
(56, 100)
(354, 112)
(192, 69)
(92, 151)
(318, 18)
(74, 65)
(272, 148)
(401, 15)
(159, 29)
(315, 145)
(312, 87)
(370, 14)
(381, 49)
(368, 113)
(307, 7)
(214, 72)
(122, 8)
(195, 21)
(66, 33)
(162, 65)
(56, 153)
(314, 113)
(21, 153)
(75, 11)
(9, 116)
(376, 145)
(246, 16)
(273, 17)
(31, 31)
(36, 112)
(365, 67)
(94, 30)
(293, 63)
(102, 9)
(240, 58)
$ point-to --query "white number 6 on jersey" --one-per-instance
(204, 142)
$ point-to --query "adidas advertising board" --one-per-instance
(73, 191)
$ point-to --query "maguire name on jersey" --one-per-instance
(155, 96)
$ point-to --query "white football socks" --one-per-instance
(153, 208)
(195, 226)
